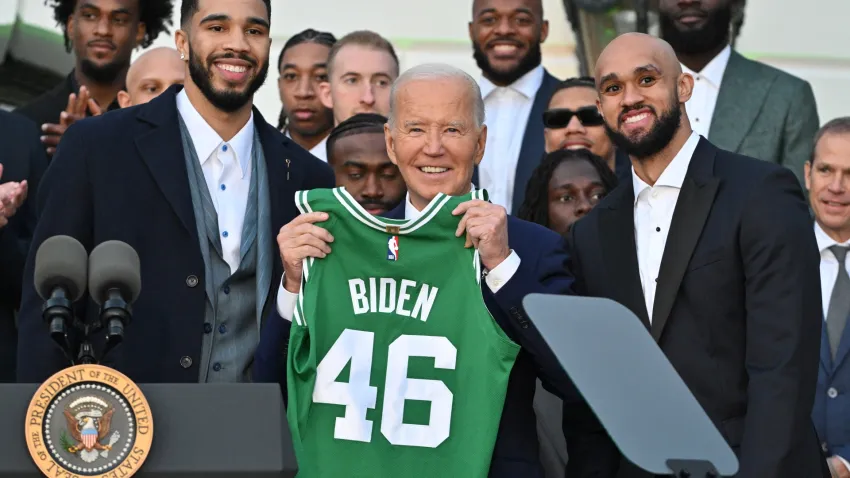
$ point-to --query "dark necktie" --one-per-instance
(839, 302)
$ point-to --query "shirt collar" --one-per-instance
(674, 174)
(410, 211)
(320, 148)
(713, 71)
(527, 84)
(206, 140)
(824, 241)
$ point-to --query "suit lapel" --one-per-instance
(617, 238)
(279, 188)
(280, 185)
(162, 150)
(692, 209)
(843, 347)
(742, 92)
(825, 355)
(533, 144)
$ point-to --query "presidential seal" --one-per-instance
(89, 420)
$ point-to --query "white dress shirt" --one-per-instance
(828, 273)
(320, 150)
(227, 170)
(828, 266)
(506, 116)
(654, 206)
(495, 278)
(700, 107)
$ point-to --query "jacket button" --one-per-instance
(824, 447)
(832, 392)
(192, 281)
(186, 362)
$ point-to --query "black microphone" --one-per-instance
(61, 264)
(114, 284)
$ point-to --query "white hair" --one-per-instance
(438, 71)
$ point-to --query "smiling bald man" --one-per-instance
(714, 252)
(151, 74)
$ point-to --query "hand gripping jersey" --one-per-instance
(395, 367)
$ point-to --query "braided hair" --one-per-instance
(361, 123)
(307, 36)
(535, 206)
(155, 14)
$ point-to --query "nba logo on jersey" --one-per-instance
(392, 248)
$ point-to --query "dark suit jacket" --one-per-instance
(737, 308)
(23, 159)
(47, 107)
(831, 413)
(123, 176)
(765, 113)
(533, 143)
(543, 269)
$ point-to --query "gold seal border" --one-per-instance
(76, 375)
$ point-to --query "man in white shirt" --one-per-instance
(518, 257)
(506, 37)
(828, 182)
(303, 66)
(361, 68)
(198, 183)
(738, 104)
(712, 251)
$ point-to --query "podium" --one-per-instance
(619, 369)
(201, 430)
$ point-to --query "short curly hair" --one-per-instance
(155, 14)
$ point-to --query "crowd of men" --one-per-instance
(683, 180)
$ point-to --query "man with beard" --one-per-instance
(506, 37)
(714, 253)
(361, 164)
(738, 104)
(198, 183)
(103, 34)
(303, 66)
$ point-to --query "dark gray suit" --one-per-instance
(765, 113)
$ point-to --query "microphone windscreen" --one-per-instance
(114, 265)
(61, 261)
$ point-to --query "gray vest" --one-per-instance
(236, 302)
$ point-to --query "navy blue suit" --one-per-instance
(23, 158)
(543, 269)
(831, 412)
(123, 176)
(533, 142)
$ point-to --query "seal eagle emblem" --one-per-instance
(88, 423)
(89, 420)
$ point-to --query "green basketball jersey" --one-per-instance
(395, 367)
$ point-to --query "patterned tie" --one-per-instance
(839, 303)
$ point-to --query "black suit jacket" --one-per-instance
(737, 309)
(543, 269)
(123, 176)
(47, 107)
(533, 142)
(23, 159)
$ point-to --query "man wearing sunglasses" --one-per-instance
(573, 121)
